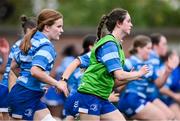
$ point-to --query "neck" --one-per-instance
(140, 57)
(118, 35)
(46, 34)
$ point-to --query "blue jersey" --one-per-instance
(14, 50)
(139, 86)
(108, 55)
(176, 79)
(170, 84)
(157, 63)
(84, 60)
(41, 54)
(74, 79)
(1, 60)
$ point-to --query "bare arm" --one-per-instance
(171, 64)
(125, 77)
(38, 73)
(161, 80)
(71, 68)
(170, 93)
(12, 80)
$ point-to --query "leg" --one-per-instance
(5, 116)
(149, 112)
(69, 118)
(85, 117)
(176, 109)
(43, 115)
(56, 111)
(113, 116)
(164, 108)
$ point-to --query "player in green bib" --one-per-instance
(106, 65)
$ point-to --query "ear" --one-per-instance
(46, 28)
(119, 24)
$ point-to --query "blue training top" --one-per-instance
(139, 86)
(14, 50)
(41, 54)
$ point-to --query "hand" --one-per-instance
(62, 87)
(113, 97)
(172, 62)
(4, 46)
(177, 97)
(143, 70)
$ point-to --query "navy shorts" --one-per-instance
(87, 103)
(152, 92)
(23, 103)
(3, 98)
(131, 103)
(53, 98)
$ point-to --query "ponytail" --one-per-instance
(26, 43)
(100, 26)
(132, 51)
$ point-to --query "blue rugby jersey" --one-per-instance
(139, 86)
(41, 54)
(14, 50)
(106, 54)
(156, 62)
(84, 60)
(109, 56)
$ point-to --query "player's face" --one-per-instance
(56, 29)
(127, 25)
(144, 52)
(162, 46)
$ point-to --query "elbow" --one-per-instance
(34, 71)
(119, 75)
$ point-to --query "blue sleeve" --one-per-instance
(44, 56)
(109, 56)
(62, 67)
(128, 65)
(85, 60)
(154, 75)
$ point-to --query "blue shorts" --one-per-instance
(53, 98)
(167, 100)
(131, 103)
(87, 103)
(3, 98)
(152, 92)
(23, 103)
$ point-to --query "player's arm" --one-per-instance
(71, 68)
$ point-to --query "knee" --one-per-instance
(170, 116)
(48, 117)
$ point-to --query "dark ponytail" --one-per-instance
(100, 26)
(132, 51)
(110, 20)
(27, 22)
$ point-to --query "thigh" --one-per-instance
(164, 108)
(113, 116)
(40, 114)
(85, 117)
(149, 112)
(176, 109)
